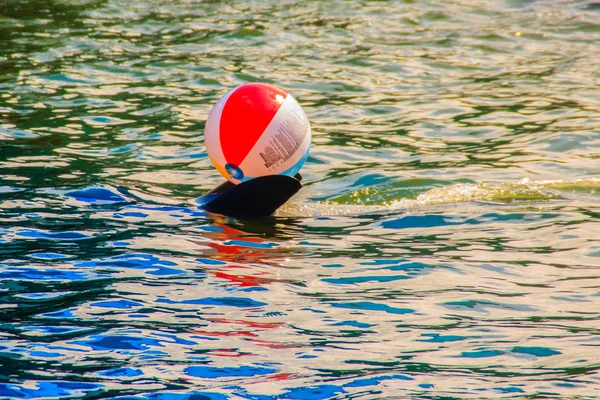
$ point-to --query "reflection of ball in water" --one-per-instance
(255, 130)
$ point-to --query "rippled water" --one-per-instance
(446, 242)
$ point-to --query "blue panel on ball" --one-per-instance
(296, 167)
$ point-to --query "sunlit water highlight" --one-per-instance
(445, 245)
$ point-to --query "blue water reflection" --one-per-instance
(49, 389)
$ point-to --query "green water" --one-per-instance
(446, 243)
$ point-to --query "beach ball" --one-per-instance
(257, 129)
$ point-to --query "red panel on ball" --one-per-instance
(248, 111)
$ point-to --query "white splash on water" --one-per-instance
(493, 192)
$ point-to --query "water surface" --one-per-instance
(445, 245)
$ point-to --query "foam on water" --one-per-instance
(493, 192)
